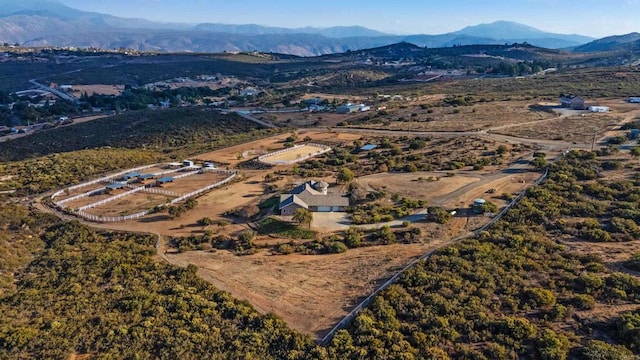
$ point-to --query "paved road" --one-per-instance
(255, 120)
(58, 93)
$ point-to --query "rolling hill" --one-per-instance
(610, 43)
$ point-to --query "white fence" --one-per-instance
(113, 198)
(97, 218)
(200, 191)
(108, 178)
(262, 157)
(181, 176)
(155, 190)
(80, 196)
(325, 149)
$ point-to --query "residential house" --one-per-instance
(313, 196)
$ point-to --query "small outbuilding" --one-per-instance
(164, 180)
(115, 186)
(573, 102)
(131, 175)
(368, 147)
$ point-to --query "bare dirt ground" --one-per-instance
(233, 155)
(97, 89)
(293, 154)
(194, 182)
(311, 293)
(91, 199)
(131, 204)
(78, 191)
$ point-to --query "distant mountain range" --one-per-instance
(50, 23)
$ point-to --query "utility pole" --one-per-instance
(593, 144)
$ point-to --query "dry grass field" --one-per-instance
(116, 90)
(479, 116)
(418, 185)
(580, 129)
(311, 293)
(295, 154)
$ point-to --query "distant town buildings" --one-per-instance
(351, 108)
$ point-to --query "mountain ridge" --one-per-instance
(616, 42)
(50, 23)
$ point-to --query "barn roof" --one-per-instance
(165, 180)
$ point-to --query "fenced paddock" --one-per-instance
(90, 200)
(128, 205)
(294, 154)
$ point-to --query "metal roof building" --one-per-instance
(131, 175)
(165, 180)
(115, 186)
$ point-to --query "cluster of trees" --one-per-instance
(404, 154)
(19, 240)
(139, 98)
(380, 212)
(510, 292)
(178, 210)
(575, 192)
(351, 239)
(23, 111)
(520, 68)
(35, 176)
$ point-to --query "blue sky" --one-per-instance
(587, 17)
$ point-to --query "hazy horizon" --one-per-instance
(590, 17)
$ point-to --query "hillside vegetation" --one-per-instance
(183, 130)
(516, 290)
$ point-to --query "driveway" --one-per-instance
(330, 221)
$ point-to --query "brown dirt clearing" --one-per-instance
(311, 293)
